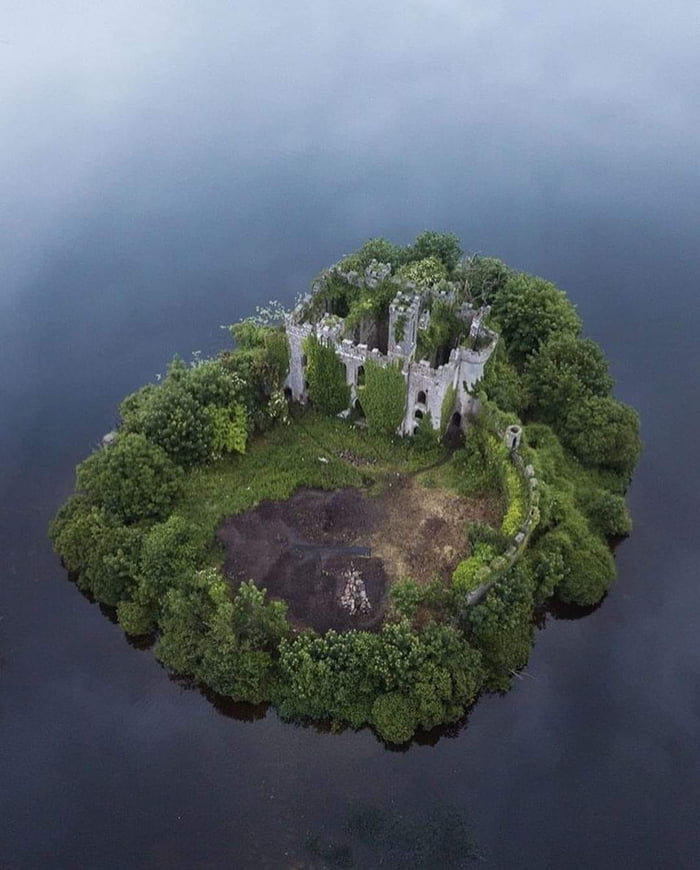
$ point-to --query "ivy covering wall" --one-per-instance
(383, 397)
(326, 376)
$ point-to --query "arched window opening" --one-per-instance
(361, 376)
(419, 414)
(421, 397)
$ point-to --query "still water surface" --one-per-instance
(165, 168)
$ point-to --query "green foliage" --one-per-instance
(447, 407)
(259, 623)
(168, 558)
(443, 246)
(135, 618)
(529, 311)
(102, 553)
(383, 397)
(267, 349)
(486, 277)
(423, 273)
(590, 569)
(326, 375)
(342, 676)
(502, 384)
(607, 513)
(134, 479)
(219, 640)
(482, 463)
(516, 502)
(443, 333)
(180, 416)
(467, 575)
(229, 429)
(395, 717)
(604, 432)
(502, 626)
(373, 249)
(426, 438)
(564, 371)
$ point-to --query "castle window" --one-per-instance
(421, 397)
(361, 376)
(419, 414)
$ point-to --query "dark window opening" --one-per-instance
(421, 397)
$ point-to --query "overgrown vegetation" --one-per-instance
(212, 439)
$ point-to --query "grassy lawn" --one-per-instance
(313, 451)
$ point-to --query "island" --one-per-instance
(359, 512)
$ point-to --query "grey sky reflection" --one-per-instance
(538, 94)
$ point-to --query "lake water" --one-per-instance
(167, 166)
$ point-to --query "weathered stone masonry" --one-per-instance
(426, 387)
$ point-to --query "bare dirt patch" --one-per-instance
(304, 549)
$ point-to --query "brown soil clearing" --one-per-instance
(303, 550)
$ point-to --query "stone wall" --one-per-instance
(426, 387)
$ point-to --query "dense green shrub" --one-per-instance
(426, 438)
(485, 278)
(183, 414)
(502, 626)
(326, 375)
(395, 717)
(502, 384)
(97, 548)
(373, 249)
(443, 246)
(383, 397)
(607, 513)
(134, 479)
(515, 500)
(423, 273)
(529, 311)
(466, 576)
(565, 370)
(604, 432)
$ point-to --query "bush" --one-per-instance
(529, 311)
(395, 718)
(485, 277)
(326, 374)
(194, 415)
(607, 513)
(466, 576)
(443, 246)
(603, 432)
(590, 569)
(423, 273)
(383, 397)
(134, 479)
(516, 502)
(564, 371)
(102, 553)
(502, 626)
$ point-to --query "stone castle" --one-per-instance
(394, 340)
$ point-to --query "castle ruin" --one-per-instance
(393, 337)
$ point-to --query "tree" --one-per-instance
(423, 273)
(530, 310)
(373, 249)
(564, 371)
(134, 479)
(485, 278)
(168, 559)
(502, 626)
(102, 553)
(444, 246)
(603, 432)
(196, 414)
(326, 375)
(383, 397)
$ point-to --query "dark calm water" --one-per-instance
(166, 166)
